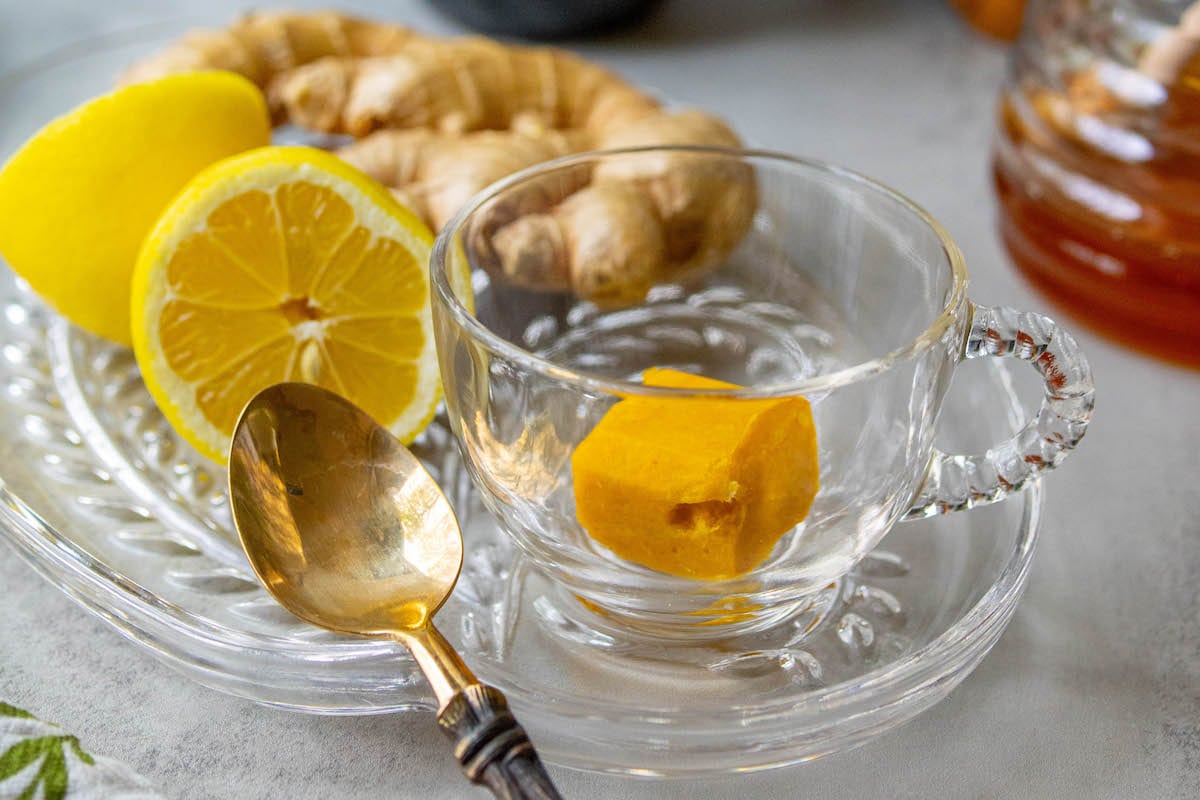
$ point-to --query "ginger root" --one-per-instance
(435, 175)
(613, 264)
(698, 205)
(460, 85)
(442, 119)
(263, 47)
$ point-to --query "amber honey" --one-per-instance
(1097, 173)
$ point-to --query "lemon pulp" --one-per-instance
(285, 264)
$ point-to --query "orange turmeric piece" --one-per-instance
(694, 486)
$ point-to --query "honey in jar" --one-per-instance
(1097, 167)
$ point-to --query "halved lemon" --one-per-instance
(284, 264)
(78, 198)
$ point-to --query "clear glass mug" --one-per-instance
(840, 290)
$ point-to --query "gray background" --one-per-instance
(1094, 691)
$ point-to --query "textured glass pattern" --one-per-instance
(136, 537)
(842, 292)
(101, 498)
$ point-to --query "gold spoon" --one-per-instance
(348, 531)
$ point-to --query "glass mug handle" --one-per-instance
(956, 482)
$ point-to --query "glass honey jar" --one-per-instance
(1097, 166)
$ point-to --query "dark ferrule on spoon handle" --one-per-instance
(492, 747)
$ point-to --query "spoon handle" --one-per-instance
(492, 747)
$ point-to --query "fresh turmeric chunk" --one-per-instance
(694, 486)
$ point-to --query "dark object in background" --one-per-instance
(545, 19)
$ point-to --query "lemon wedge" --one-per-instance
(284, 264)
(79, 197)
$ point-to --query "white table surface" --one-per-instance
(1094, 690)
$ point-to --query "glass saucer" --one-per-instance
(101, 497)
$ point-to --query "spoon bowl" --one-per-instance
(341, 522)
(349, 532)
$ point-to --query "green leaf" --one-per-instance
(51, 775)
(45, 746)
(29, 790)
(54, 775)
(83, 756)
(12, 711)
(24, 753)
